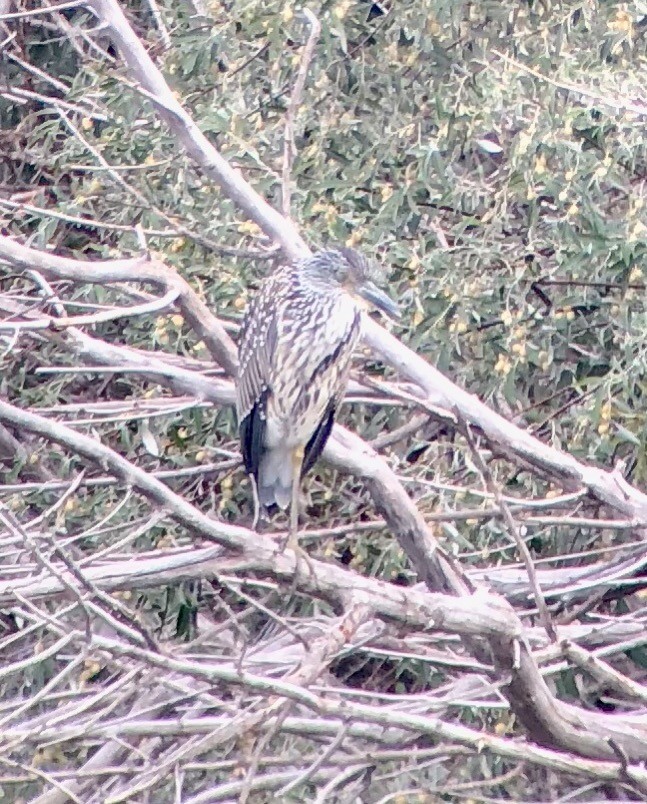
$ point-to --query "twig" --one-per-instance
(376, 715)
(387, 439)
(194, 141)
(45, 10)
(522, 547)
(142, 269)
(41, 559)
(617, 102)
(289, 146)
(113, 608)
(16, 93)
(604, 673)
(101, 317)
(159, 21)
(310, 771)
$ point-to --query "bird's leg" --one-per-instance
(257, 504)
(297, 461)
(293, 537)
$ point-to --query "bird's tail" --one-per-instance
(275, 477)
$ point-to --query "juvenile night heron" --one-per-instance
(295, 354)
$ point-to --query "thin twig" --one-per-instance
(159, 22)
(522, 547)
(289, 147)
(616, 102)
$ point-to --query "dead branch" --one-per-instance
(141, 269)
(289, 147)
(189, 135)
(548, 720)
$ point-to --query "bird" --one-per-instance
(296, 344)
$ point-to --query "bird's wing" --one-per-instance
(336, 364)
(257, 345)
(317, 442)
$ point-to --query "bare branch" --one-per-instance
(524, 552)
(44, 10)
(289, 146)
(142, 269)
(193, 140)
(57, 323)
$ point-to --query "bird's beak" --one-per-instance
(378, 298)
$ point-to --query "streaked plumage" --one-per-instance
(295, 353)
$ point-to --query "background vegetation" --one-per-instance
(493, 156)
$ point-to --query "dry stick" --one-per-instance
(112, 606)
(46, 10)
(264, 786)
(14, 526)
(355, 712)
(603, 672)
(173, 231)
(572, 583)
(138, 269)
(23, 94)
(174, 566)
(143, 200)
(289, 147)
(62, 87)
(43, 212)
(188, 725)
(522, 547)
(100, 317)
(312, 769)
(388, 439)
(343, 780)
(616, 102)
(437, 390)
(314, 663)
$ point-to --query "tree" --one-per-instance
(147, 152)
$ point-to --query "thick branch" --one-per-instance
(195, 143)
(437, 390)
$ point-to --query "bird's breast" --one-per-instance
(310, 366)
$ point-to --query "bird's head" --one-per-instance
(346, 269)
